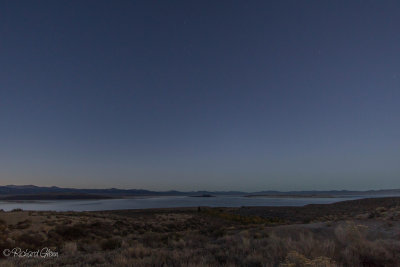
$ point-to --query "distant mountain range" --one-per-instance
(30, 192)
(20, 190)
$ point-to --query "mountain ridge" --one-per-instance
(8, 190)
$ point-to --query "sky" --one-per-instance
(200, 95)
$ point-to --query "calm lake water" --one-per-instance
(164, 202)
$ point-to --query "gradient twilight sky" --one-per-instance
(193, 95)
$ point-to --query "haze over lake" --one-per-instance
(166, 202)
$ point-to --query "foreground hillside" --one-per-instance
(352, 233)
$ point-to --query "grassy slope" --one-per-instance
(352, 233)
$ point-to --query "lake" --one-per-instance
(165, 202)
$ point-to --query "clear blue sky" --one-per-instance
(192, 95)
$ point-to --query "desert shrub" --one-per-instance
(119, 224)
(111, 244)
(30, 240)
(357, 250)
(157, 240)
(254, 259)
(295, 259)
(374, 214)
(71, 232)
(213, 232)
(101, 229)
(350, 232)
(137, 250)
(95, 259)
(16, 210)
(240, 218)
(70, 247)
(23, 224)
(281, 241)
(86, 246)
